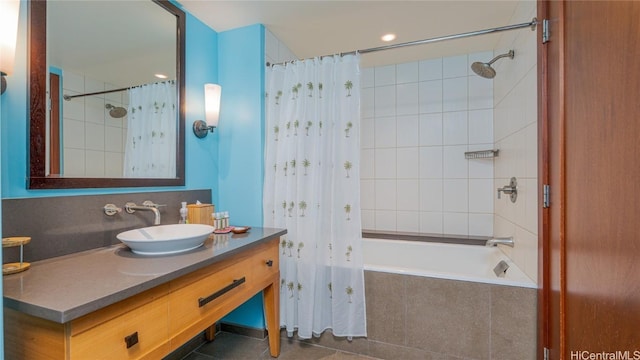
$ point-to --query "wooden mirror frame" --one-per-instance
(37, 78)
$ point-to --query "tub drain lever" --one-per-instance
(501, 269)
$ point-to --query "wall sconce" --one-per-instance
(9, 13)
(212, 94)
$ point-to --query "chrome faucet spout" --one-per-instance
(132, 207)
(500, 241)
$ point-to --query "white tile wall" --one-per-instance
(515, 133)
(418, 119)
(275, 50)
(413, 174)
(92, 141)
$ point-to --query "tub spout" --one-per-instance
(500, 241)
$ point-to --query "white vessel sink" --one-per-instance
(165, 239)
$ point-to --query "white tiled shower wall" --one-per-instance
(275, 50)
(93, 141)
(410, 131)
(515, 133)
(418, 120)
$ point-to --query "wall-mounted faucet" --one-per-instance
(511, 190)
(500, 241)
(147, 205)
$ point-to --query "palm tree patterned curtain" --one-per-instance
(150, 149)
(312, 188)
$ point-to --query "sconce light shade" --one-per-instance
(212, 94)
(9, 13)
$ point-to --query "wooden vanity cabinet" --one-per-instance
(152, 324)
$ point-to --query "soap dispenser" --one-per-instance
(183, 213)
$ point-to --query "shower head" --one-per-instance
(116, 111)
(485, 70)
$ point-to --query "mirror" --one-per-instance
(95, 87)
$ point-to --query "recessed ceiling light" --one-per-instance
(388, 37)
(161, 76)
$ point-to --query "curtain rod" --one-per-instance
(69, 97)
(532, 24)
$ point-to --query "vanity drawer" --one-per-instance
(141, 333)
(198, 300)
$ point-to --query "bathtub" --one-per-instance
(444, 261)
(431, 299)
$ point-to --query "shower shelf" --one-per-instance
(482, 154)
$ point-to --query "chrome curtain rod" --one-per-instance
(69, 97)
(532, 24)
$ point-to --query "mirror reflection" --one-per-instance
(112, 83)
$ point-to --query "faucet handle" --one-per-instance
(149, 203)
(111, 209)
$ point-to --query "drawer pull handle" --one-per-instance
(131, 339)
(204, 301)
(269, 263)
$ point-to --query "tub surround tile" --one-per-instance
(513, 323)
(386, 307)
(412, 317)
(442, 308)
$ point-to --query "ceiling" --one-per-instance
(314, 28)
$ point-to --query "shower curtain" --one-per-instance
(150, 149)
(312, 188)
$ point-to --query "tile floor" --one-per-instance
(229, 346)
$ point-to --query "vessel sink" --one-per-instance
(165, 239)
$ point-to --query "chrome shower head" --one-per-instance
(116, 111)
(485, 70)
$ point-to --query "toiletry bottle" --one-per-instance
(217, 221)
(183, 213)
(226, 219)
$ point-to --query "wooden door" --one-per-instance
(54, 124)
(591, 233)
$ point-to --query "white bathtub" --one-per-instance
(439, 260)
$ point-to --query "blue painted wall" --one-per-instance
(241, 159)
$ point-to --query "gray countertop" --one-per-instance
(65, 288)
